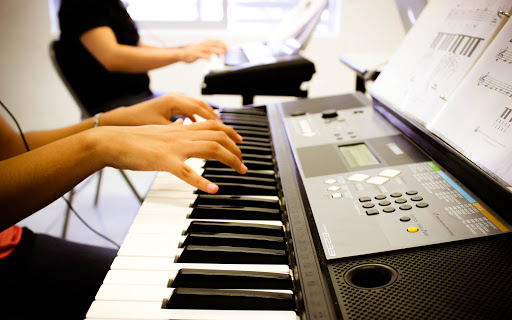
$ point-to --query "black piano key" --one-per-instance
(250, 173)
(258, 139)
(240, 179)
(235, 227)
(259, 117)
(242, 116)
(261, 124)
(255, 150)
(251, 164)
(226, 188)
(254, 144)
(244, 111)
(234, 240)
(230, 279)
(249, 128)
(229, 299)
(234, 116)
(251, 133)
(257, 157)
(231, 255)
(244, 201)
(234, 213)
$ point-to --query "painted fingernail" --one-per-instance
(212, 188)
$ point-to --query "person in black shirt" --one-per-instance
(105, 59)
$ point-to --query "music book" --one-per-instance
(452, 75)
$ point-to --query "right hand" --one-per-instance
(166, 147)
(203, 50)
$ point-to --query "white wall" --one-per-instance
(32, 90)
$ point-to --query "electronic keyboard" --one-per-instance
(343, 214)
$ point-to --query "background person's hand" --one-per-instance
(203, 50)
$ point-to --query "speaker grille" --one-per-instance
(469, 279)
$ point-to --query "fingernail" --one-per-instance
(239, 137)
(243, 168)
(212, 188)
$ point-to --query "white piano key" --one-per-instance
(162, 264)
(161, 278)
(139, 277)
(152, 239)
(122, 292)
(163, 246)
(153, 311)
(179, 214)
(180, 217)
(163, 205)
(177, 225)
(152, 228)
(171, 194)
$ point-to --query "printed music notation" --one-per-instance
(494, 84)
(456, 43)
(473, 15)
(505, 55)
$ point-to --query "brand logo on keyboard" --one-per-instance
(328, 243)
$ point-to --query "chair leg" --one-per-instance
(66, 216)
(100, 175)
(131, 186)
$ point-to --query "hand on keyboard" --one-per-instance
(159, 111)
(203, 50)
(165, 148)
(216, 63)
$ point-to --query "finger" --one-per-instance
(203, 110)
(217, 137)
(207, 112)
(191, 177)
(214, 150)
(203, 54)
(216, 125)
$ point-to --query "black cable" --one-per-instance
(17, 125)
(66, 200)
(88, 226)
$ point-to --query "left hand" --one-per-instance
(158, 111)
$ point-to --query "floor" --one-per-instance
(112, 216)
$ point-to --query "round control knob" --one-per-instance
(328, 114)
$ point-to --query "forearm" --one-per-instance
(36, 139)
(132, 59)
(34, 179)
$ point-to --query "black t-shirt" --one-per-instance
(92, 82)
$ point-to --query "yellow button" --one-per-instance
(412, 229)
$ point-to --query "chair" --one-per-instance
(54, 56)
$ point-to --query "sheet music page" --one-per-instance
(477, 120)
(298, 20)
(438, 51)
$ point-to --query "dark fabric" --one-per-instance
(95, 86)
(124, 100)
(50, 278)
